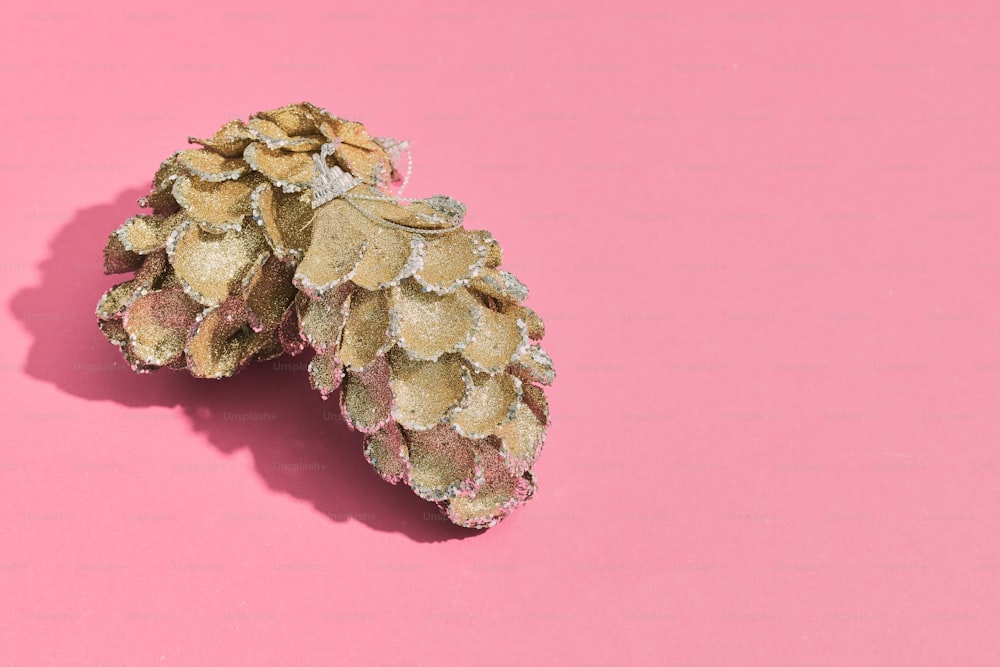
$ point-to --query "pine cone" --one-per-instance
(409, 314)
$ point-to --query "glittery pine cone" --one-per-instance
(408, 313)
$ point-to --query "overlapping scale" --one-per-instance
(498, 494)
(228, 141)
(451, 260)
(223, 341)
(366, 397)
(207, 165)
(428, 325)
(386, 450)
(143, 234)
(326, 373)
(286, 219)
(366, 328)
(321, 320)
(533, 364)
(212, 266)
(498, 340)
(216, 207)
(158, 325)
(269, 293)
(426, 393)
(443, 464)
(291, 171)
(489, 404)
(338, 243)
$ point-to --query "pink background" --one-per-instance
(764, 237)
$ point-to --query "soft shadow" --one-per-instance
(300, 444)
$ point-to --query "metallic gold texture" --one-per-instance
(281, 234)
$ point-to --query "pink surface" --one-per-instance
(764, 237)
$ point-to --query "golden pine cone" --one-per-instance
(409, 314)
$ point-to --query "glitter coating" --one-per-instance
(282, 234)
